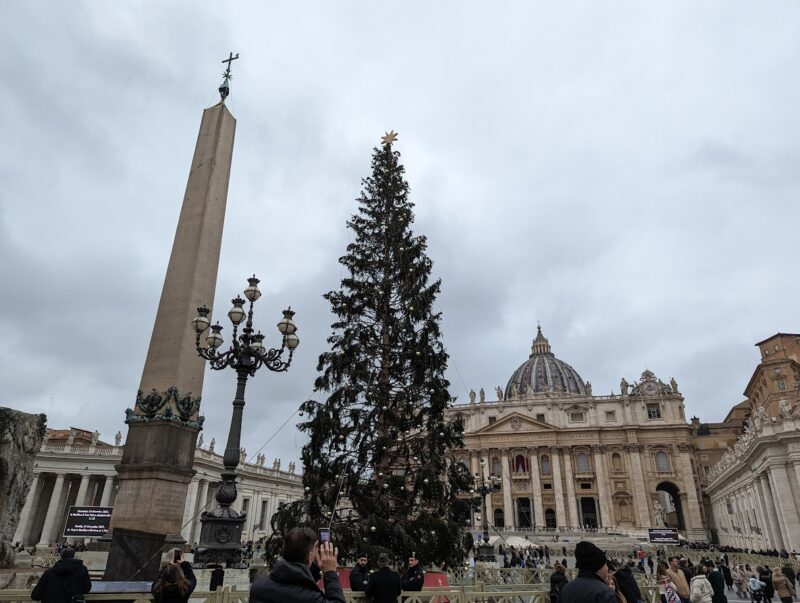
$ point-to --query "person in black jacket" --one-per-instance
(175, 583)
(67, 581)
(590, 586)
(384, 585)
(359, 576)
(627, 583)
(558, 580)
(290, 581)
(414, 577)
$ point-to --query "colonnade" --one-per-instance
(758, 510)
(51, 494)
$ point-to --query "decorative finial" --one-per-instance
(225, 87)
(389, 137)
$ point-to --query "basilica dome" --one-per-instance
(545, 373)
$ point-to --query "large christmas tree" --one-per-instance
(379, 467)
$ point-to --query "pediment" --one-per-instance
(514, 423)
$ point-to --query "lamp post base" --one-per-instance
(486, 552)
(220, 539)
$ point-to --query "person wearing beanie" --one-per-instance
(384, 584)
(591, 585)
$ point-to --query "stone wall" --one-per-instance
(21, 437)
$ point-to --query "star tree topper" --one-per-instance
(389, 137)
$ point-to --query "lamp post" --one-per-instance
(484, 487)
(221, 531)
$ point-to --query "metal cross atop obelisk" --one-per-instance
(225, 88)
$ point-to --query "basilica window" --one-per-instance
(520, 464)
(611, 416)
(616, 463)
(582, 462)
(497, 468)
(245, 505)
(653, 411)
(662, 462)
(547, 469)
(540, 417)
(577, 417)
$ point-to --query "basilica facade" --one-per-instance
(564, 458)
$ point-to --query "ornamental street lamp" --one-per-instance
(221, 532)
(484, 487)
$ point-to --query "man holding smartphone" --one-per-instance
(290, 581)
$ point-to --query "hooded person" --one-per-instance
(384, 584)
(591, 585)
(627, 583)
(67, 581)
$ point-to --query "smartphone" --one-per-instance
(176, 556)
(324, 535)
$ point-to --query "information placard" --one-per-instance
(664, 536)
(87, 522)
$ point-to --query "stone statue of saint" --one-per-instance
(71, 438)
(784, 409)
(588, 388)
(242, 455)
(278, 465)
(623, 387)
(275, 464)
(529, 391)
(512, 391)
(499, 391)
(118, 438)
(482, 395)
(658, 511)
(95, 437)
(200, 441)
(212, 444)
(472, 396)
(291, 467)
(674, 385)
(758, 417)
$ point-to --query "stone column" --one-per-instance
(780, 478)
(80, 499)
(558, 490)
(760, 514)
(536, 489)
(606, 516)
(692, 510)
(25, 516)
(639, 488)
(572, 501)
(53, 513)
(189, 510)
(773, 526)
(108, 490)
(201, 501)
(508, 502)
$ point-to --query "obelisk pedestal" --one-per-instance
(156, 465)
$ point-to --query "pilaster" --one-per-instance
(606, 516)
(508, 503)
(536, 489)
(572, 501)
(639, 488)
(558, 490)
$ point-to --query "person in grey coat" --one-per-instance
(591, 584)
(291, 581)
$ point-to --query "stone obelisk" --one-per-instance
(156, 465)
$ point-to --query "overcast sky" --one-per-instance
(627, 173)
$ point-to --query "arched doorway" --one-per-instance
(669, 497)
(550, 518)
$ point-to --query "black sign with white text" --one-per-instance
(664, 536)
(87, 522)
